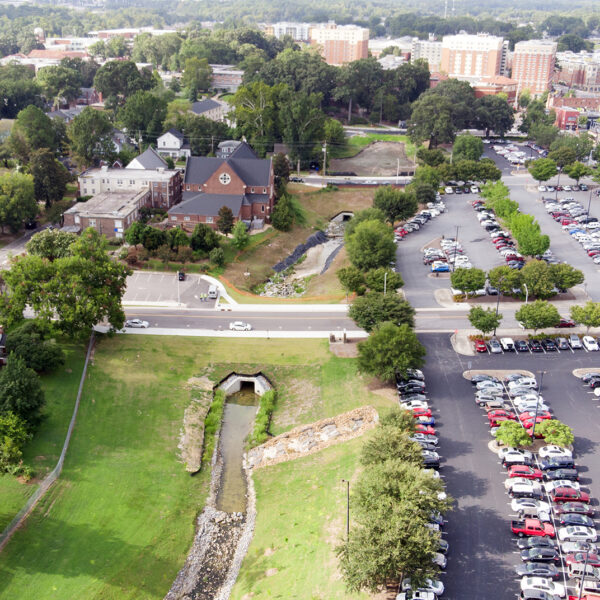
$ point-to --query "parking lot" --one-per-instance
(165, 288)
(482, 553)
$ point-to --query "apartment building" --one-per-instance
(340, 44)
(429, 50)
(581, 70)
(533, 65)
(473, 56)
(299, 32)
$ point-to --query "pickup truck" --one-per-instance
(532, 527)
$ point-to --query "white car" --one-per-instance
(552, 451)
(569, 547)
(440, 560)
(528, 506)
(532, 406)
(576, 533)
(240, 326)
(542, 188)
(416, 595)
(449, 190)
(528, 382)
(503, 452)
(544, 584)
(558, 483)
(590, 344)
(137, 323)
(523, 482)
(414, 404)
(431, 585)
(474, 189)
(482, 385)
(423, 437)
(528, 397)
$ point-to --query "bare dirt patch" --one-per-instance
(378, 159)
(347, 350)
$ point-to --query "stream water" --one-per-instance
(238, 418)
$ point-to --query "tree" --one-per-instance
(204, 238)
(426, 175)
(537, 315)
(352, 279)
(399, 418)
(18, 90)
(565, 276)
(31, 131)
(577, 170)
(225, 220)
(382, 279)
(217, 256)
(389, 443)
(467, 280)
(17, 200)
(76, 291)
(90, 136)
(50, 177)
(537, 276)
(431, 119)
(143, 112)
(572, 42)
(334, 134)
(432, 157)
(543, 134)
(513, 434)
(425, 193)
(153, 238)
(531, 242)
(467, 147)
(135, 234)
(367, 214)
(116, 80)
(542, 169)
(588, 314)
(371, 245)
(241, 238)
(390, 350)
(555, 432)
(20, 392)
(494, 113)
(51, 244)
(13, 435)
(283, 215)
(197, 76)
(485, 320)
(393, 502)
(374, 308)
(59, 82)
(581, 144)
(505, 279)
(176, 237)
(562, 156)
(28, 342)
(395, 204)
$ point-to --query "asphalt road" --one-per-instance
(482, 548)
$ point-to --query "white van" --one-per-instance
(576, 570)
(212, 292)
(507, 344)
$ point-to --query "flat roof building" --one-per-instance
(473, 56)
(340, 44)
(533, 65)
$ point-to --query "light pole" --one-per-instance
(526, 293)
(537, 404)
(347, 482)
(585, 564)
(498, 301)
(589, 204)
(455, 246)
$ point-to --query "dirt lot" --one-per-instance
(377, 159)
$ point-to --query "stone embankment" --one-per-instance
(308, 439)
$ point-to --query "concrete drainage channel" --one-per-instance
(225, 526)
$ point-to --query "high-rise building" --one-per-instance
(533, 65)
(341, 44)
(300, 32)
(581, 71)
(473, 56)
(430, 50)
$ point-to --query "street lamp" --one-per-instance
(589, 204)
(585, 564)
(526, 293)
(537, 404)
(498, 301)
(455, 245)
(347, 482)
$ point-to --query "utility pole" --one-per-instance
(455, 245)
(324, 159)
(398, 173)
(298, 167)
(212, 144)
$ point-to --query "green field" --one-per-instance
(44, 449)
(301, 511)
(119, 522)
(357, 142)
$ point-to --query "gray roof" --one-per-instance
(199, 203)
(150, 159)
(243, 151)
(252, 171)
(175, 132)
(202, 106)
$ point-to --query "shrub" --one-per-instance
(217, 256)
(263, 418)
(212, 423)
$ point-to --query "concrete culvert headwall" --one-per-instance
(233, 383)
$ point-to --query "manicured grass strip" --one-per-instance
(301, 511)
(212, 424)
(263, 418)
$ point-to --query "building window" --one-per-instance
(262, 208)
(174, 218)
(264, 190)
(209, 219)
(252, 190)
(131, 182)
(187, 187)
(92, 222)
(119, 224)
(186, 218)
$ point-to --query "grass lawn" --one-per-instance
(119, 522)
(43, 450)
(301, 512)
(357, 142)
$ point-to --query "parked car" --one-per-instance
(590, 344)
(574, 508)
(480, 346)
(137, 323)
(575, 342)
(553, 451)
(540, 554)
(543, 584)
(575, 533)
(538, 570)
(495, 347)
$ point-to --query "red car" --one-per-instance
(524, 471)
(580, 557)
(566, 323)
(421, 412)
(531, 415)
(566, 494)
(496, 422)
(528, 423)
(593, 253)
(494, 414)
(480, 346)
(427, 429)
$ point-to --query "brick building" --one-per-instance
(581, 71)
(109, 213)
(493, 86)
(241, 181)
(340, 44)
(165, 185)
(567, 119)
(473, 56)
(533, 65)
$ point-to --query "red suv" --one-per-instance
(567, 494)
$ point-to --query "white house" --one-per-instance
(172, 143)
(215, 110)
